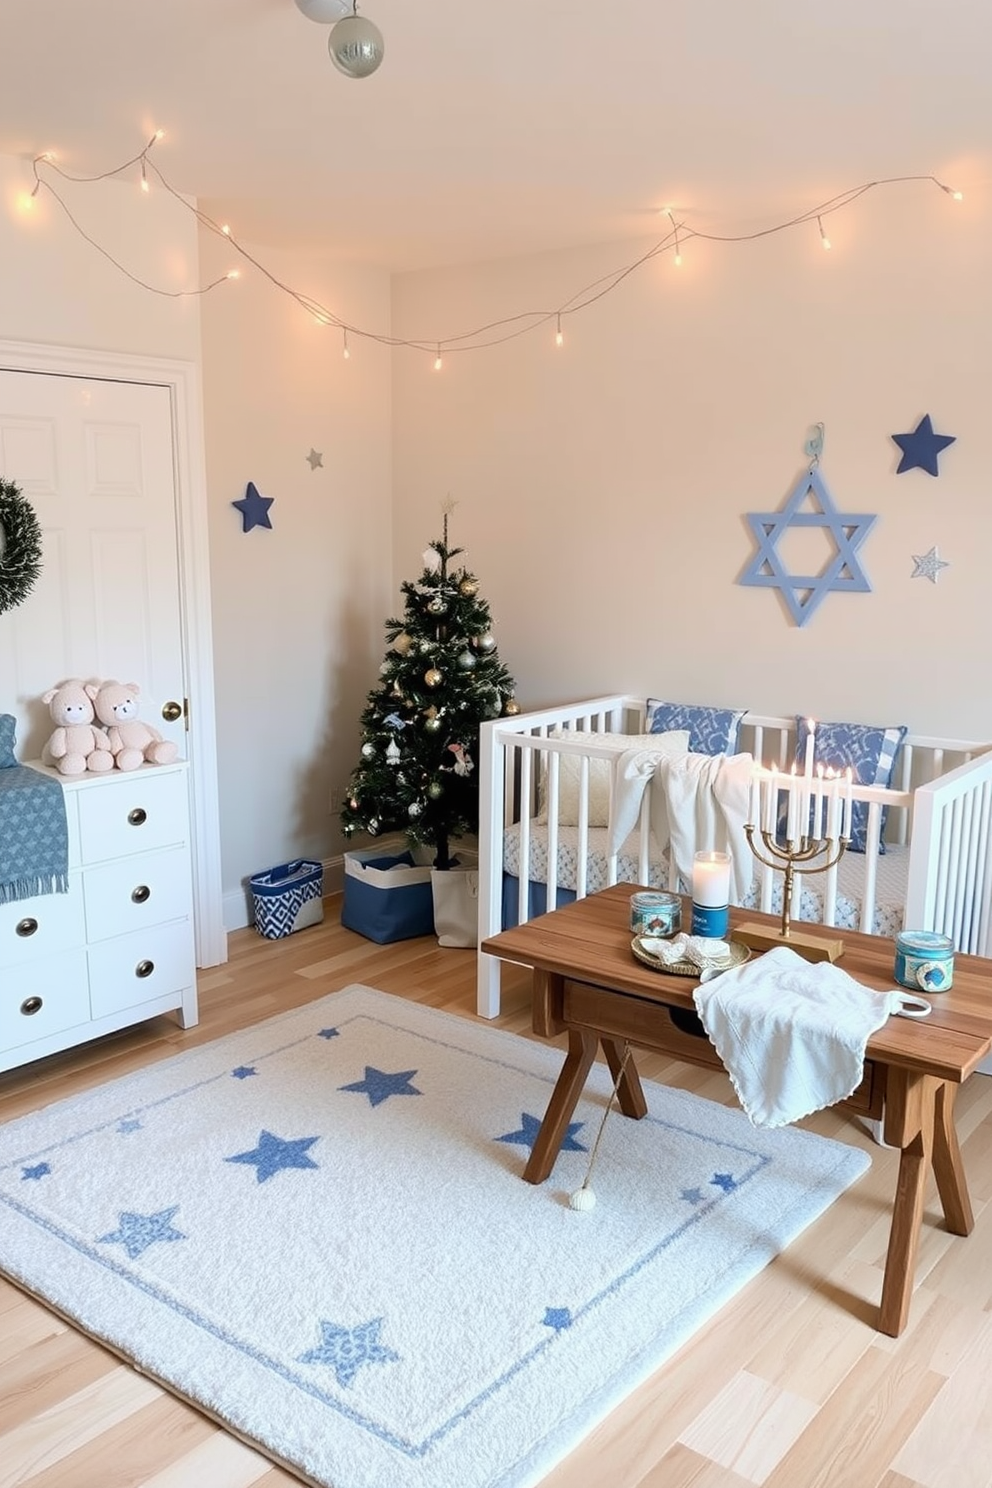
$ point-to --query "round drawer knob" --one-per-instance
(31, 1005)
(140, 894)
(144, 968)
(26, 927)
(137, 817)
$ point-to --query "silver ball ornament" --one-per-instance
(485, 642)
(466, 661)
(582, 1199)
(368, 750)
(414, 808)
(356, 46)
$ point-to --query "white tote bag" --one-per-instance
(456, 906)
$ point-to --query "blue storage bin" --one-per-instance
(287, 898)
(387, 897)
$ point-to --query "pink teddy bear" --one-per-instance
(77, 745)
(132, 742)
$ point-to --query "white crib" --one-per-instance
(935, 872)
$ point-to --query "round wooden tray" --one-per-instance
(739, 953)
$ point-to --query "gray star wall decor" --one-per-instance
(841, 574)
(314, 459)
(928, 565)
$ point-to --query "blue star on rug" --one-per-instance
(921, 448)
(275, 1153)
(558, 1318)
(136, 1232)
(842, 573)
(127, 1125)
(379, 1085)
(254, 508)
(692, 1195)
(243, 1072)
(38, 1170)
(328, 1033)
(725, 1181)
(529, 1128)
(347, 1349)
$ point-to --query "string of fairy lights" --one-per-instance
(495, 332)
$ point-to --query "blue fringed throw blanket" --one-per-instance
(34, 837)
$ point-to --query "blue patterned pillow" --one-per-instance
(711, 730)
(7, 726)
(869, 752)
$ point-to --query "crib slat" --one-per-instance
(582, 860)
(523, 882)
(872, 834)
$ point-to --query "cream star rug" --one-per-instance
(317, 1229)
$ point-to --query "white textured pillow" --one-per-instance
(673, 743)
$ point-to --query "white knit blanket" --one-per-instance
(699, 802)
(792, 1035)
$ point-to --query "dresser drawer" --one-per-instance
(137, 812)
(135, 892)
(40, 926)
(141, 967)
(44, 998)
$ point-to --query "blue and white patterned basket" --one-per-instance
(288, 898)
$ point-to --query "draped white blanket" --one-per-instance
(792, 1035)
(697, 802)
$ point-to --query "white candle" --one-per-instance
(711, 879)
(805, 794)
(808, 763)
(793, 812)
(833, 824)
(820, 807)
(771, 802)
(848, 808)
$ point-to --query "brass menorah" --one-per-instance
(792, 856)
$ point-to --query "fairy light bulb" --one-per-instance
(144, 179)
(823, 237)
(346, 350)
(559, 338)
(226, 230)
(954, 195)
(438, 364)
(233, 274)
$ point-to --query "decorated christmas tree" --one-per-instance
(440, 680)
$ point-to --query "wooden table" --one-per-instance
(588, 984)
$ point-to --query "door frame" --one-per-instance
(182, 381)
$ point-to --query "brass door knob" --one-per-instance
(171, 711)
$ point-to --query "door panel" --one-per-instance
(95, 459)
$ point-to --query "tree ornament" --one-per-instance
(386, 668)
(397, 691)
(20, 547)
(438, 605)
(402, 643)
(426, 647)
(511, 707)
(392, 753)
(433, 677)
(368, 750)
(373, 826)
(468, 587)
(353, 804)
(435, 790)
(414, 808)
(485, 642)
(466, 661)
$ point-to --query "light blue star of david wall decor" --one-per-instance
(842, 574)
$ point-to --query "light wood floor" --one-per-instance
(790, 1386)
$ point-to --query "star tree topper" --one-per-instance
(842, 573)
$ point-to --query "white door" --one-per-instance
(95, 459)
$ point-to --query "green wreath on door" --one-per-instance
(20, 547)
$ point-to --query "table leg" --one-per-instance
(909, 1121)
(630, 1095)
(564, 1098)
(948, 1169)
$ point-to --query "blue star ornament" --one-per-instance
(254, 508)
(379, 1085)
(841, 573)
(347, 1349)
(921, 448)
(275, 1153)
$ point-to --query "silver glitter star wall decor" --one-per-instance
(928, 565)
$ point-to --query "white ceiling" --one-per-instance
(491, 130)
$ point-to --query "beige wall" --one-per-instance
(298, 610)
(603, 486)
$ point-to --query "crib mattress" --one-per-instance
(890, 881)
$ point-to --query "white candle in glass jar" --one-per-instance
(711, 879)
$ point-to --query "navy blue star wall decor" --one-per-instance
(921, 448)
(254, 508)
(841, 574)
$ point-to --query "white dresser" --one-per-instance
(119, 946)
